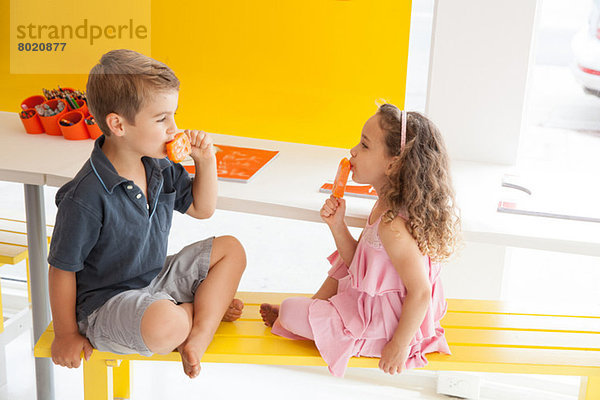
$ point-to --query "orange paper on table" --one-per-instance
(341, 178)
(179, 148)
(238, 164)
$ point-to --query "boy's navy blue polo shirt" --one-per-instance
(108, 233)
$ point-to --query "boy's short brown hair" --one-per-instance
(122, 81)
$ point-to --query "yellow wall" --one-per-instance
(305, 71)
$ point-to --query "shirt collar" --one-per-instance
(106, 172)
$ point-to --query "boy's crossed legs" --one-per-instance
(190, 327)
(180, 309)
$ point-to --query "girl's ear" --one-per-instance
(115, 124)
(392, 164)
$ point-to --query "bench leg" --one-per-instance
(589, 388)
(3, 362)
(95, 380)
(28, 280)
(121, 388)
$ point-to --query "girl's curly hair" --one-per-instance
(419, 184)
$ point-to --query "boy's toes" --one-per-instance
(237, 304)
(234, 311)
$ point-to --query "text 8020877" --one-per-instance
(44, 46)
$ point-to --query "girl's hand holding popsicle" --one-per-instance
(334, 209)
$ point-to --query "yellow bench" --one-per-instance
(484, 336)
(13, 243)
(13, 250)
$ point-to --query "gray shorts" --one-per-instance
(116, 326)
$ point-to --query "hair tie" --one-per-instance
(403, 137)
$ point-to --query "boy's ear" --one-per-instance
(115, 124)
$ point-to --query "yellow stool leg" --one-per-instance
(121, 383)
(590, 388)
(95, 380)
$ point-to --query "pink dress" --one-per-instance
(362, 317)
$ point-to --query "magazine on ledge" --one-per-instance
(237, 164)
(553, 197)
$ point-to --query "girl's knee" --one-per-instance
(291, 310)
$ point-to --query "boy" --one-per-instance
(110, 286)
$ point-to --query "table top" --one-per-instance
(289, 187)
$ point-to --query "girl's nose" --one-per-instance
(353, 151)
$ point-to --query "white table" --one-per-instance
(288, 187)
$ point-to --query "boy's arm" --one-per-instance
(68, 342)
(408, 262)
(204, 185)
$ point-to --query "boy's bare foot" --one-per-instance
(234, 311)
(269, 313)
(189, 358)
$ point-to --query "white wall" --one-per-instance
(480, 57)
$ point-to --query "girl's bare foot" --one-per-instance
(234, 311)
(269, 313)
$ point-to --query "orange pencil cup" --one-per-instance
(50, 124)
(31, 121)
(83, 108)
(77, 130)
(30, 118)
(341, 178)
(93, 129)
(32, 101)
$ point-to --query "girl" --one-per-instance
(383, 296)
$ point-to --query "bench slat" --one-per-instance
(474, 337)
(520, 322)
(17, 239)
(523, 339)
(11, 254)
(465, 306)
(492, 321)
(545, 309)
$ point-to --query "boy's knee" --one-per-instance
(164, 326)
(229, 246)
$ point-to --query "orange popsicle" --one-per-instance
(341, 178)
(179, 148)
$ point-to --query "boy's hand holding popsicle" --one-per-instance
(197, 144)
(334, 209)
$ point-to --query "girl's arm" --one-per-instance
(204, 185)
(68, 342)
(333, 212)
(409, 262)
